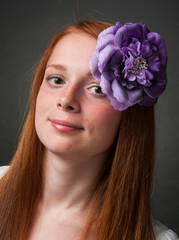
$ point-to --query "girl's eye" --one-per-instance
(55, 80)
(97, 90)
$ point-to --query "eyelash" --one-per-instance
(56, 78)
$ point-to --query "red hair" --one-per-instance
(120, 198)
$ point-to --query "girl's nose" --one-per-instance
(69, 100)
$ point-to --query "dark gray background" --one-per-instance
(26, 29)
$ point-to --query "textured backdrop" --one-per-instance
(26, 28)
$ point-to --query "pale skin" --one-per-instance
(77, 126)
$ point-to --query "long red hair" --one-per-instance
(122, 192)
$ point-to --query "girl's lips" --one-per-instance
(64, 126)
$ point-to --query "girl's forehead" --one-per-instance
(73, 48)
(76, 40)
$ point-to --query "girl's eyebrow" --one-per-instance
(89, 74)
(62, 67)
(57, 66)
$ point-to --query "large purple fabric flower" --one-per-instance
(130, 63)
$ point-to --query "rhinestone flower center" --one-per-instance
(138, 63)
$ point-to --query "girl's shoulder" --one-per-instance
(162, 232)
(3, 170)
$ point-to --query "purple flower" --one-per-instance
(130, 63)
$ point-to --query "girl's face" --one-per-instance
(73, 116)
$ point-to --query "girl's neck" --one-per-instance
(68, 181)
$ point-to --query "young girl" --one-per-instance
(84, 165)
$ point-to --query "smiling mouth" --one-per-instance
(64, 126)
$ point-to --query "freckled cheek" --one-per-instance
(103, 124)
(45, 101)
(103, 117)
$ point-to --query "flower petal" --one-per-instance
(104, 56)
(109, 75)
(147, 101)
(131, 76)
(105, 85)
(149, 75)
(117, 105)
(157, 40)
(94, 66)
(146, 51)
(158, 86)
(130, 30)
(118, 91)
(135, 95)
(116, 60)
(104, 41)
(110, 30)
(154, 63)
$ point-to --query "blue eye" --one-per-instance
(97, 90)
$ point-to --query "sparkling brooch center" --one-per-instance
(138, 63)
